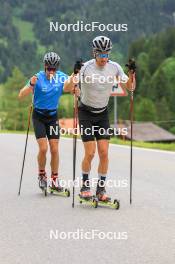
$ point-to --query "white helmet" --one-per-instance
(101, 44)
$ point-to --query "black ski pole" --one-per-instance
(131, 156)
(77, 68)
(131, 120)
(132, 69)
(28, 128)
(74, 143)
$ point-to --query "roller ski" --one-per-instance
(86, 197)
(42, 177)
(105, 200)
(57, 189)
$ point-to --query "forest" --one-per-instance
(150, 39)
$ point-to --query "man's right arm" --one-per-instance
(69, 84)
(26, 90)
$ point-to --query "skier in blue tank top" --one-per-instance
(47, 87)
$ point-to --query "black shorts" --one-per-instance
(93, 125)
(45, 126)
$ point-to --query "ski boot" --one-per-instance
(85, 192)
(42, 177)
(101, 194)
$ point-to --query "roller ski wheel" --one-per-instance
(116, 204)
(67, 192)
(95, 202)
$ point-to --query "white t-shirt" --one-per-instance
(96, 82)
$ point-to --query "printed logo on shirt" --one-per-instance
(44, 89)
(56, 87)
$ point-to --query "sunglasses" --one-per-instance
(51, 69)
(103, 55)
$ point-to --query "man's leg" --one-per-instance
(89, 151)
(40, 134)
(86, 124)
(54, 155)
(54, 150)
(103, 146)
(42, 143)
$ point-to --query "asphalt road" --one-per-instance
(31, 225)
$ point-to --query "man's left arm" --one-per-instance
(129, 84)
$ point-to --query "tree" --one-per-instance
(66, 106)
(145, 110)
(163, 81)
(156, 57)
(164, 114)
(159, 85)
(16, 111)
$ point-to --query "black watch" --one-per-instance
(31, 84)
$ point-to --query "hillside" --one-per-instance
(150, 39)
(25, 35)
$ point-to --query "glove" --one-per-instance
(77, 66)
(131, 65)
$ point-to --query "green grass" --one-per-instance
(3, 41)
(41, 49)
(66, 105)
(14, 132)
(1, 90)
(27, 34)
(159, 146)
(140, 144)
(1, 94)
(25, 29)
